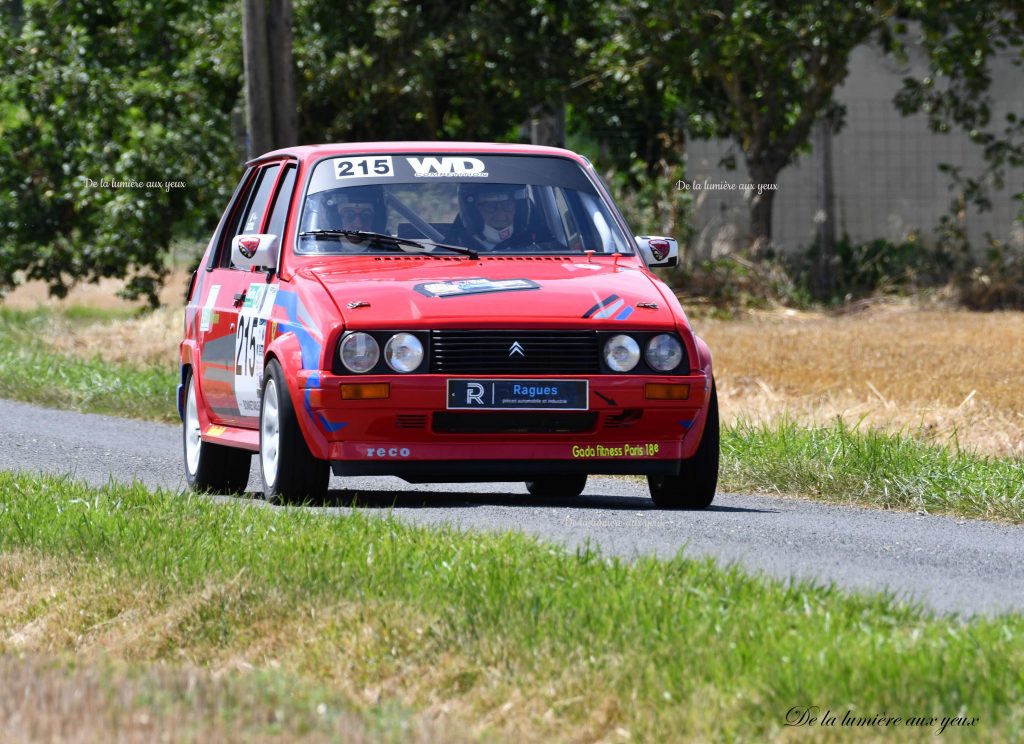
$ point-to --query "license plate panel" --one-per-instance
(518, 395)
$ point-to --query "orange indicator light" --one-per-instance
(664, 391)
(365, 391)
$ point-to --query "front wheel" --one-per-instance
(290, 472)
(209, 466)
(694, 487)
(553, 486)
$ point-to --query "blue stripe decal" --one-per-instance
(610, 310)
(625, 313)
(289, 302)
(313, 383)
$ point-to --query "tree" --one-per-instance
(461, 70)
(756, 71)
(115, 123)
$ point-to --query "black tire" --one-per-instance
(291, 474)
(210, 467)
(694, 487)
(553, 486)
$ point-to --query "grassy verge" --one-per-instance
(871, 468)
(30, 370)
(507, 636)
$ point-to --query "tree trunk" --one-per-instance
(270, 110)
(761, 203)
(256, 59)
(824, 273)
(547, 125)
(282, 73)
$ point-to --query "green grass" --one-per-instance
(537, 640)
(32, 371)
(871, 468)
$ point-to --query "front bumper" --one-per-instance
(414, 435)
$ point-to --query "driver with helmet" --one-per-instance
(492, 216)
(351, 208)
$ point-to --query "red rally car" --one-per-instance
(439, 311)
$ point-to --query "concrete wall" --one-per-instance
(885, 174)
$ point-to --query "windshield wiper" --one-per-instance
(391, 239)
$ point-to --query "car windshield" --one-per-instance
(484, 203)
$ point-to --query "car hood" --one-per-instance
(386, 292)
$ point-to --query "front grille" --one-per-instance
(495, 353)
(514, 422)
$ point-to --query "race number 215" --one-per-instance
(362, 167)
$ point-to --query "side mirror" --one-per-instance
(658, 252)
(259, 251)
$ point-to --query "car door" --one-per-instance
(233, 320)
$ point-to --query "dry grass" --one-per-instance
(949, 376)
(102, 294)
(100, 701)
(147, 339)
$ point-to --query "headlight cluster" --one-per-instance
(663, 353)
(360, 352)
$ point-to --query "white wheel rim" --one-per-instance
(270, 433)
(193, 439)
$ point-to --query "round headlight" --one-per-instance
(664, 352)
(359, 352)
(621, 353)
(403, 352)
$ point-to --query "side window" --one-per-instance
(571, 230)
(229, 222)
(253, 217)
(282, 201)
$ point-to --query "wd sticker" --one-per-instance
(473, 286)
(249, 343)
(458, 167)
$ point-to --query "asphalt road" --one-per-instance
(950, 565)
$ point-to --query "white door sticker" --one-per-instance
(249, 341)
(206, 317)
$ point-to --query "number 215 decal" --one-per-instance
(362, 167)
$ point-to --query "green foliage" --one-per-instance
(730, 283)
(386, 69)
(996, 282)
(879, 267)
(651, 202)
(130, 92)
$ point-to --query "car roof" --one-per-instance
(312, 152)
